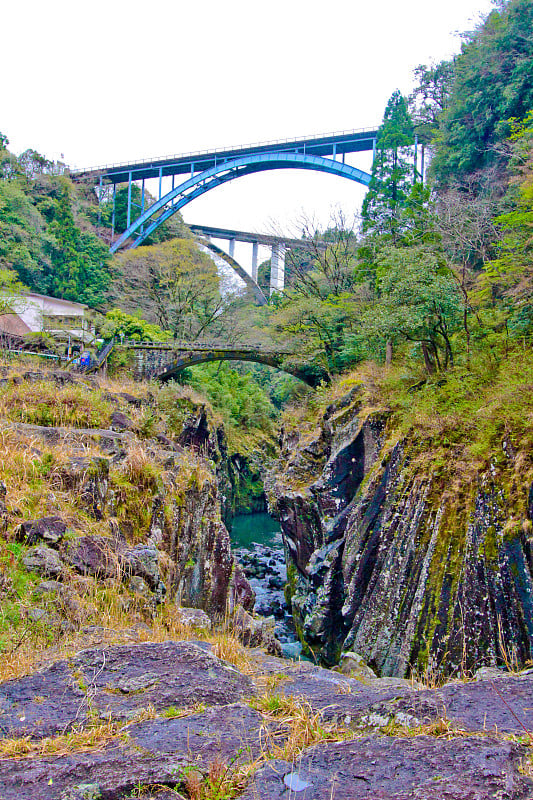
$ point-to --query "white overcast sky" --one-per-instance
(115, 80)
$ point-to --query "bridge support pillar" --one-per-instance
(277, 268)
(255, 250)
(232, 248)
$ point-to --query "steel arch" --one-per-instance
(222, 173)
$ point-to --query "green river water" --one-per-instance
(250, 529)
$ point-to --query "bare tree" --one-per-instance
(465, 222)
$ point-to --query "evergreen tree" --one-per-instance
(67, 261)
(79, 259)
(392, 172)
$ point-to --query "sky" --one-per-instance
(117, 80)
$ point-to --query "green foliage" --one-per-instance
(24, 242)
(10, 287)
(79, 260)
(392, 171)
(79, 406)
(244, 406)
(44, 239)
(174, 227)
(419, 302)
(118, 324)
(509, 276)
(239, 399)
(430, 97)
(493, 83)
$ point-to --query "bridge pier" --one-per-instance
(277, 268)
(255, 251)
(232, 248)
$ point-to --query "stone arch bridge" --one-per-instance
(164, 362)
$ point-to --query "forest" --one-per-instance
(434, 274)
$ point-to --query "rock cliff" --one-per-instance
(417, 563)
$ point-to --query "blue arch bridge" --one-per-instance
(182, 178)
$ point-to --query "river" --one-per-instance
(258, 546)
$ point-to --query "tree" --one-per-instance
(429, 99)
(509, 276)
(23, 238)
(492, 83)
(79, 268)
(10, 287)
(181, 283)
(419, 302)
(173, 227)
(325, 266)
(392, 172)
(118, 323)
(319, 309)
(465, 222)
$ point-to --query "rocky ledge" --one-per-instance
(169, 717)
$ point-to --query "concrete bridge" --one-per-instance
(279, 245)
(209, 169)
(165, 362)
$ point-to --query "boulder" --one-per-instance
(194, 618)
(121, 422)
(256, 631)
(504, 704)
(159, 752)
(352, 664)
(240, 591)
(89, 478)
(44, 561)
(143, 561)
(48, 529)
(117, 682)
(92, 555)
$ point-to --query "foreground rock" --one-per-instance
(502, 705)
(157, 752)
(397, 769)
(177, 709)
(117, 683)
(345, 700)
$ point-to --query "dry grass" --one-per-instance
(110, 615)
(221, 782)
(75, 741)
(306, 727)
(41, 403)
(227, 647)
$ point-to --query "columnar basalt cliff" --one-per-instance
(414, 564)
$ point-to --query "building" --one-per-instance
(35, 313)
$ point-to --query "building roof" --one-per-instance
(55, 299)
(13, 325)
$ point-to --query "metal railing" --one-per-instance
(199, 153)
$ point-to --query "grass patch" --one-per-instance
(42, 403)
(76, 741)
(306, 727)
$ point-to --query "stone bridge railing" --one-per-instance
(165, 361)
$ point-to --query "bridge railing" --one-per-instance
(223, 347)
(199, 153)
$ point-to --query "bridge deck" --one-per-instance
(251, 238)
(321, 145)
